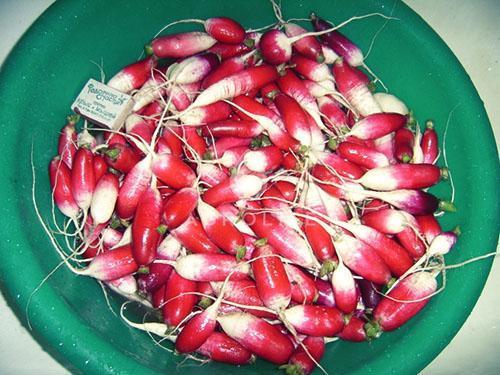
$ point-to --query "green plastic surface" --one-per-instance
(49, 66)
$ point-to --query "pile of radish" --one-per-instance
(260, 195)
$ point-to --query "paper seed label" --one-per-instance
(103, 105)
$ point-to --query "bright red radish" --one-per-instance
(243, 292)
(335, 116)
(182, 95)
(211, 267)
(227, 51)
(225, 69)
(225, 30)
(341, 166)
(307, 46)
(258, 336)
(354, 88)
(338, 42)
(403, 143)
(286, 241)
(145, 228)
(178, 303)
(134, 185)
(179, 207)
(83, 178)
(429, 144)
(121, 157)
(394, 256)
(172, 136)
(300, 362)
(354, 330)
(172, 171)
(180, 45)
(221, 348)
(401, 176)
(429, 227)
(225, 143)
(100, 167)
(192, 236)
(67, 141)
(60, 182)
(221, 231)
(271, 279)
(111, 265)
(133, 76)
(275, 47)
(104, 198)
(344, 289)
(304, 289)
(410, 241)
(362, 259)
(265, 159)
(377, 125)
(294, 118)
(237, 84)
(315, 320)
(232, 128)
(213, 112)
(197, 145)
(362, 155)
(405, 300)
(233, 189)
(336, 187)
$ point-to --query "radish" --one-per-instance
(211, 267)
(354, 330)
(307, 46)
(310, 69)
(275, 47)
(225, 30)
(197, 145)
(343, 167)
(388, 221)
(226, 68)
(294, 118)
(329, 108)
(192, 236)
(243, 292)
(169, 249)
(354, 88)
(315, 320)
(172, 171)
(221, 231)
(66, 147)
(411, 241)
(231, 128)
(271, 278)
(211, 174)
(415, 202)
(221, 348)
(133, 76)
(429, 144)
(234, 215)
(152, 90)
(403, 142)
(258, 336)
(273, 199)
(178, 302)
(429, 227)
(338, 42)
(237, 84)
(182, 96)
(134, 185)
(232, 157)
(195, 115)
(389, 103)
(104, 198)
(135, 125)
(442, 244)
(300, 362)
(83, 178)
(404, 301)
(225, 143)
(281, 237)
(402, 176)
(192, 69)
(146, 226)
(112, 264)
(344, 289)
(377, 125)
(361, 155)
(325, 293)
(60, 182)
(265, 159)
(393, 255)
(320, 89)
(233, 189)
(121, 157)
(180, 45)
(336, 187)
(362, 259)
(110, 237)
(179, 207)
(370, 293)
(304, 289)
(100, 167)
(226, 51)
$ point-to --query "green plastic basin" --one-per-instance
(48, 67)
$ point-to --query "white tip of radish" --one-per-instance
(362, 99)
(126, 238)
(255, 161)
(235, 325)
(246, 186)
(169, 248)
(121, 82)
(207, 213)
(390, 103)
(126, 284)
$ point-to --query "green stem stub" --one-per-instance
(205, 302)
(162, 229)
(327, 268)
(457, 230)
(261, 242)
(292, 369)
(73, 119)
(445, 173)
(241, 251)
(429, 124)
(332, 144)
(249, 42)
(148, 50)
(143, 270)
(447, 206)
(373, 330)
(406, 158)
(112, 153)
